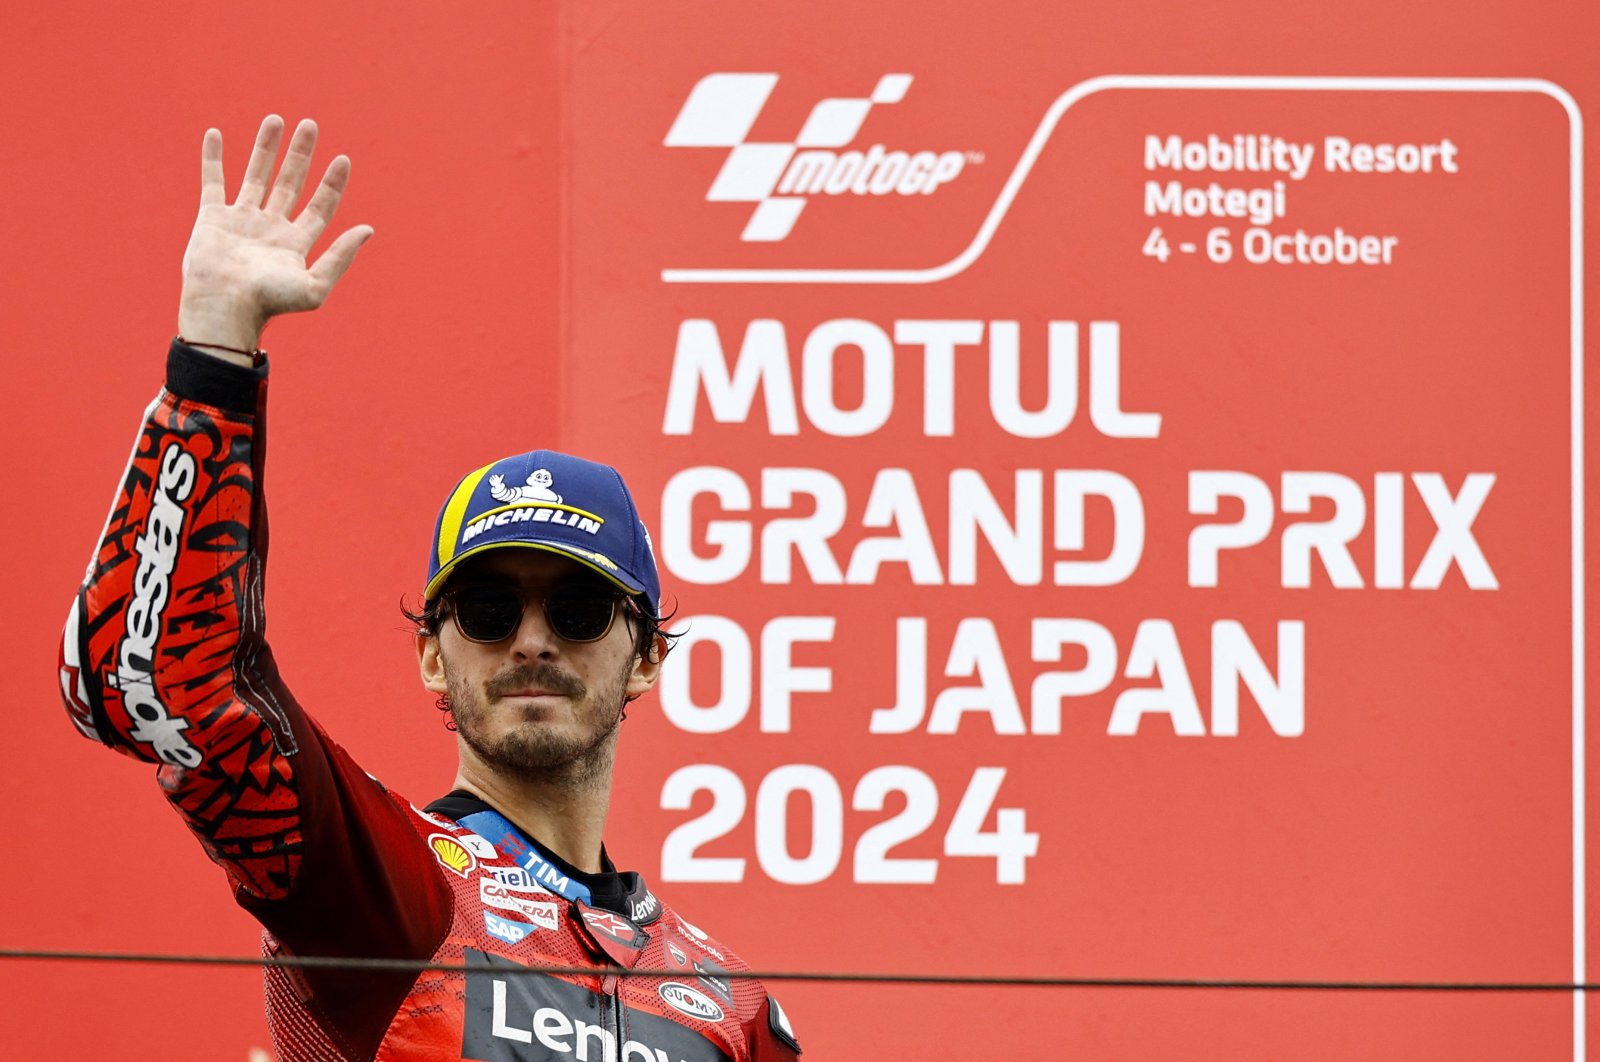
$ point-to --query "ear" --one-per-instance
(431, 664)
(646, 669)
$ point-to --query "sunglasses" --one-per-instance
(492, 612)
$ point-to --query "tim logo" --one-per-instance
(779, 176)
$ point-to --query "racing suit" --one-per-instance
(164, 658)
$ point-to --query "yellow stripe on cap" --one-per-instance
(455, 511)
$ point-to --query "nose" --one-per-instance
(533, 638)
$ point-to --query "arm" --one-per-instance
(164, 657)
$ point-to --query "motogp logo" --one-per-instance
(778, 176)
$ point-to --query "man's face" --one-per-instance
(534, 705)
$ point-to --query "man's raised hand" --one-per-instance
(246, 260)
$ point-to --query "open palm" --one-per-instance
(246, 260)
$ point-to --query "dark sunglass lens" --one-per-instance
(579, 614)
(487, 613)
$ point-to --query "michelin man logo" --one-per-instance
(536, 489)
(533, 502)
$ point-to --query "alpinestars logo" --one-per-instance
(158, 550)
(779, 176)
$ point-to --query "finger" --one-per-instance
(211, 190)
(325, 201)
(327, 269)
(262, 156)
(292, 174)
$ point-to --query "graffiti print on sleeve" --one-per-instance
(164, 657)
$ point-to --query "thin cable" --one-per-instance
(413, 966)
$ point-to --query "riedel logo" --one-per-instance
(779, 176)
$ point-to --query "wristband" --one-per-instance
(256, 356)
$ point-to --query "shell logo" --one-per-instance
(452, 855)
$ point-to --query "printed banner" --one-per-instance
(1102, 517)
(1125, 511)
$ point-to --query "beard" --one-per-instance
(532, 750)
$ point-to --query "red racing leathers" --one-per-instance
(164, 658)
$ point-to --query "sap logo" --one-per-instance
(504, 928)
(686, 1000)
(778, 176)
(136, 655)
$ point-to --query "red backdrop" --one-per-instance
(1084, 576)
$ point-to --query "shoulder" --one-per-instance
(714, 976)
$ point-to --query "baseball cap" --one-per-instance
(550, 501)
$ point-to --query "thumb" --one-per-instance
(332, 263)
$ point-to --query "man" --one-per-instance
(541, 621)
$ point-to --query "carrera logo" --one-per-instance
(779, 176)
(686, 1000)
(539, 912)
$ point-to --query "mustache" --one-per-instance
(540, 676)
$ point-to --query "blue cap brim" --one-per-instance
(622, 579)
